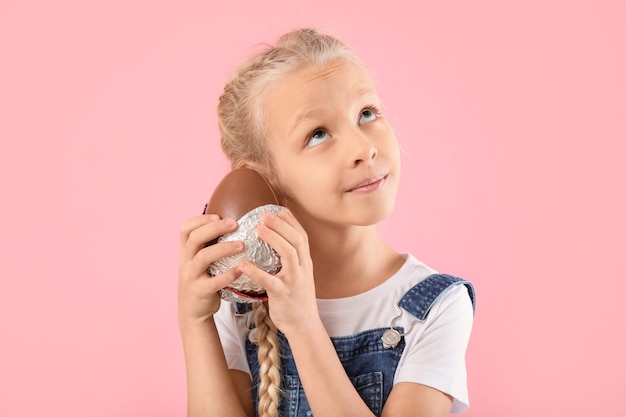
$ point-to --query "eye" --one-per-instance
(317, 137)
(367, 115)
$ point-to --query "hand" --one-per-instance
(291, 292)
(198, 297)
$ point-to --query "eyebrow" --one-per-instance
(307, 115)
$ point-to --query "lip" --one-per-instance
(368, 184)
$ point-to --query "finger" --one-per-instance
(287, 227)
(210, 254)
(285, 249)
(199, 237)
(218, 282)
(281, 226)
(290, 219)
(193, 223)
(269, 282)
(302, 245)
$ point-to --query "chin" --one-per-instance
(374, 216)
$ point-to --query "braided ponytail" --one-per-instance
(269, 362)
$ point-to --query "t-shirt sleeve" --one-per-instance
(435, 350)
(233, 332)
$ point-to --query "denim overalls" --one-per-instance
(370, 365)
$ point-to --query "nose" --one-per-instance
(363, 149)
(370, 154)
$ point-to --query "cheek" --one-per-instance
(294, 188)
(303, 186)
(396, 155)
(393, 148)
(287, 181)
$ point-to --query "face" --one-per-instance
(335, 155)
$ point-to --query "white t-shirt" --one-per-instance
(434, 354)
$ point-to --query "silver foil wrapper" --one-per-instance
(243, 289)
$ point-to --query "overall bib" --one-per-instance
(369, 364)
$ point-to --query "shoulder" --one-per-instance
(420, 299)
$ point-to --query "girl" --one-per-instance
(352, 327)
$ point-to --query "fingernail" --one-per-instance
(238, 244)
(230, 222)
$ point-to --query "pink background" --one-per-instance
(512, 120)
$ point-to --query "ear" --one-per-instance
(244, 163)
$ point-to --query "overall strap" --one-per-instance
(419, 299)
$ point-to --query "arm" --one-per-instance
(432, 378)
(416, 400)
(330, 392)
(211, 389)
(328, 389)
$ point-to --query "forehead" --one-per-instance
(315, 89)
(347, 74)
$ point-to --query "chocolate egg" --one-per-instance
(240, 191)
(243, 195)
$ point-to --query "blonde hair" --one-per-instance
(243, 138)
(240, 109)
(269, 362)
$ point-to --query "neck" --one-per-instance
(349, 260)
